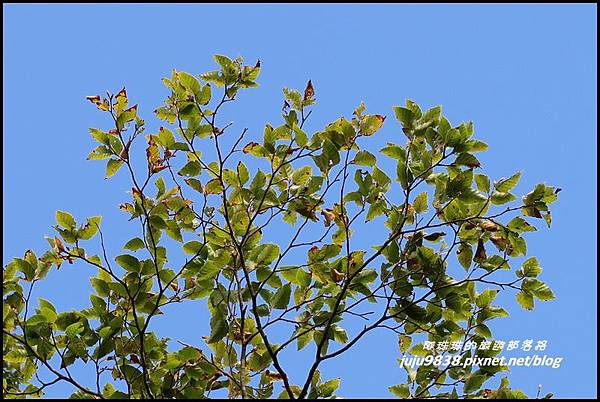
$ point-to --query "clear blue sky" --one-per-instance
(526, 75)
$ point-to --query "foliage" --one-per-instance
(436, 207)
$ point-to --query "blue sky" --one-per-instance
(526, 75)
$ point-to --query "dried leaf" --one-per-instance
(480, 254)
(329, 216)
(309, 92)
(336, 275)
(434, 236)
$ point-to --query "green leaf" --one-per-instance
(36, 320)
(404, 116)
(303, 278)
(364, 158)
(243, 174)
(400, 390)
(530, 268)
(65, 220)
(340, 334)
(519, 225)
(465, 255)
(466, 159)
(192, 168)
(99, 153)
(394, 151)
(525, 299)
(208, 271)
(376, 209)
(281, 298)
(301, 137)
(418, 350)
(129, 262)
(264, 254)
(505, 185)
(214, 186)
(486, 298)
(192, 247)
(477, 146)
(474, 382)
(134, 244)
(112, 166)
(328, 388)
(502, 198)
(304, 339)
(195, 184)
(74, 329)
(189, 82)
(380, 177)
(46, 304)
(371, 123)
(538, 289)
(100, 286)
(90, 228)
(50, 314)
(482, 182)
(100, 136)
(404, 342)
(166, 137)
(421, 203)
(218, 329)
(302, 176)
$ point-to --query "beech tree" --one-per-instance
(450, 235)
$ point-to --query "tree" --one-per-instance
(437, 205)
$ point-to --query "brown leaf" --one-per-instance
(480, 254)
(434, 236)
(152, 154)
(489, 226)
(136, 192)
(158, 168)
(329, 216)
(125, 152)
(131, 109)
(469, 225)
(412, 263)
(499, 242)
(273, 375)
(122, 93)
(95, 99)
(237, 335)
(336, 275)
(249, 147)
(126, 207)
(309, 92)
(59, 245)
